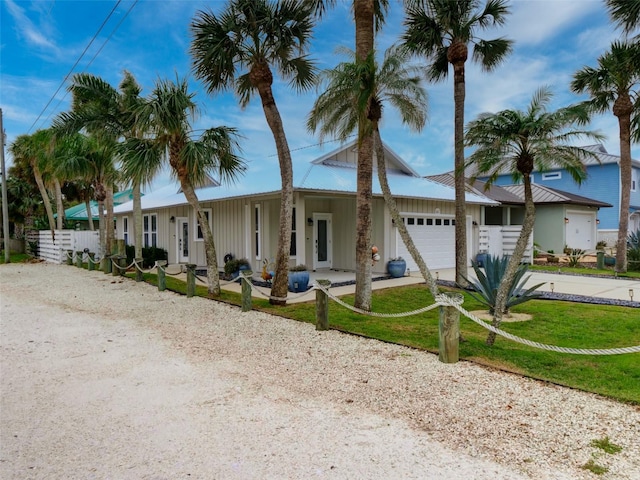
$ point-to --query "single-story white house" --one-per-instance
(244, 216)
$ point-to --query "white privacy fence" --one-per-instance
(53, 248)
(498, 240)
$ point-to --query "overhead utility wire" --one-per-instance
(95, 56)
(74, 66)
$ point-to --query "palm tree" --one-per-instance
(519, 142)
(614, 85)
(369, 17)
(29, 150)
(102, 110)
(353, 97)
(626, 13)
(441, 30)
(167, 115)
(257, 36)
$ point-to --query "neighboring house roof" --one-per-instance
(546, 195)
(328, 173)
(79, 212)
(514, 194)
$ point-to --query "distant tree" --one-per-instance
(441, 30)
(519, 142)
(256, 37)
(625, 13)
(614, 85)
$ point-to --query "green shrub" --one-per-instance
(486, 286)
(149, 255)
(575, 255)
(633, 251)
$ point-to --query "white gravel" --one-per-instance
(102, 377)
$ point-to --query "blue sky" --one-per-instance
(42, 40)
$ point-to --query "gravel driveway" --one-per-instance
(102, 377)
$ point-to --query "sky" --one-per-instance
(44, 42)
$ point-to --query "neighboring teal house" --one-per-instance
(77, 215)
(602, 183)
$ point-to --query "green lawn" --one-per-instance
(554, 322)
(582, 271)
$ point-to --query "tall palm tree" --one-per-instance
(167, 115)
(625, 13)
(614, 85)
(441, 30)
(103, 110)
(29, 150)
(255, 37)
(368, 17)
(519, 142)
(353, 97)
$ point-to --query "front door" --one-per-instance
(322, 241)
(182, 236)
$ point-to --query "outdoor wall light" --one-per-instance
(310, 221)
(172, 219)
(597, 221)
(566, 220)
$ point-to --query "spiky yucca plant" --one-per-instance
(488, 281)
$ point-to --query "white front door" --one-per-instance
(182, 238)
(580, 230)
(322, 241)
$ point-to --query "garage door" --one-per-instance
(434, 237)
(580, 231)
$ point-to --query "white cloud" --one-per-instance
(27, 29)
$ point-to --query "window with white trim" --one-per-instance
(125, 230)
(552, 176)
(634, 179)
(199, 233)
(150, 230)
(257, 233)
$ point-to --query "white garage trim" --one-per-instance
(434, 237)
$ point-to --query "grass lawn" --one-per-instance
(582, 270)
(16, 257)
(554, 322)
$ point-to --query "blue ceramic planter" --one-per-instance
(396, 268)
(298, 281)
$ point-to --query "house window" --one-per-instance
(411, 221)
(421, 221)
(634, 180)
(199, 234)
(256, 230)
(293, 249)
(150, 230)
(125, 230)
(552, 176)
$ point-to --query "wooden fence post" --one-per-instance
(191, 279)
(91, 261)
(79, 255)
(122, 249)
(322, 306)
(69, 257)
(247, 301)
(139, 273)
(115, 262)
(449, 330)
(106, 266)
(162, 279)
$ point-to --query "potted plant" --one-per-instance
(298, 278)
(396, 267)
(233, 266)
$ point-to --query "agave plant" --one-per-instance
(633, 251)
(488, 281)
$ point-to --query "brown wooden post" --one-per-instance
(191, 279)
(91, 261)
(247, 301)
(322, 306)
(69, 257)
(122, 249)
(79, 254)
(106, 266)
(122, 262)
(162, 279)
(449, 330)
(139, 273)
(115, 262)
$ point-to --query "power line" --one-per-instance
(94, 57)
(74, 65)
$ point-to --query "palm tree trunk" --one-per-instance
(363, 16)
(516, 258)
(59, 204)
(213, 279)
(279, 287)
(45, 197)
(624, 122)
(137, 219)
(87, 204)
(395, 215)
(459, 174)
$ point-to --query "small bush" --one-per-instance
(633, 251)
(149, 255)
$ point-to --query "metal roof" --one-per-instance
(542, 195)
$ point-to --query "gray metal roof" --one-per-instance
(494, 192)
(546, 195)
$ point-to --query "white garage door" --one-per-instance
(435, 239)
(580, 231)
